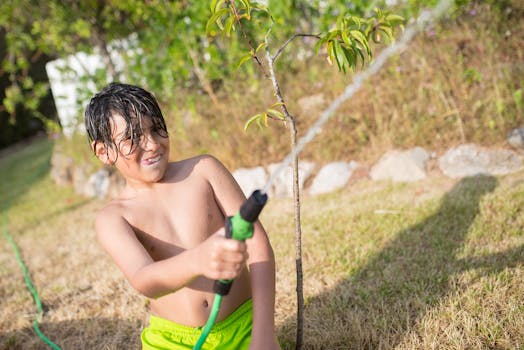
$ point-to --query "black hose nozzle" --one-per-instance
(252, 207)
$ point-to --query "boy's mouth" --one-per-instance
(152, 160)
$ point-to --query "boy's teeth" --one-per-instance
(153, 159)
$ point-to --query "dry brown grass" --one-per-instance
(431, 265)
(387, 269)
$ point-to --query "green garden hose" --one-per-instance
(27, 278)
(239, 227)
(210, 321)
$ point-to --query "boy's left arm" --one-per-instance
(261, 260)
(261, 263)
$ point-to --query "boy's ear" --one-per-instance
(101, 152)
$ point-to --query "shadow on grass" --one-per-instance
(22, 167)
(376, 305)
(87, 334)
(61, 208)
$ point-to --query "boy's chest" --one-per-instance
(178, 218)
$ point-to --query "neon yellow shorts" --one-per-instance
(232, 333)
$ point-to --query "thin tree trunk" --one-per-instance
(296, 197)
(296, 188)
(298, 238)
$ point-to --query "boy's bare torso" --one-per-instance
(173, 215)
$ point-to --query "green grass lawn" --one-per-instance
(436, 264)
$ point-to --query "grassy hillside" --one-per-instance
(459, 81)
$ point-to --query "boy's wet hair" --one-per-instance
(133, 104)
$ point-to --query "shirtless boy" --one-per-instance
(165, 231)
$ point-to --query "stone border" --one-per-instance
(396, 165)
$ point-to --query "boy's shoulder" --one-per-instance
(205, 166)
(200, 160)
(202, 165)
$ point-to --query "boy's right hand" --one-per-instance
(222, 258)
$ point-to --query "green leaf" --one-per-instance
(28, 83)
(330, 50)
(82, 28)
(394, 19)
(247, 5)
(250, 121)
(260, 7)
(262, 121)
(354, 53)
(215, 5)
(388, 31)
(216, 19)
(341, 23)
(244, 59)
(276, 113)
(357, 34)
(230, 25)
(338, 53)
(13, 96)
(332, 34)
(345, 38)
(356, 21)
(348, 57)
(260, 46)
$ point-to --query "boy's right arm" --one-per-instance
(216, 258)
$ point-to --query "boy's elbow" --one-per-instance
(148, 293)
(146, 285)
(141, 284)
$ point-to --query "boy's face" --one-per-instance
(142, 160)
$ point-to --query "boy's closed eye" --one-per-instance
(128, 142)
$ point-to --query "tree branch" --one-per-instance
(246, 37)
(296, 196)
(279, 51)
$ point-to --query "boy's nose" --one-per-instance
(149, 142)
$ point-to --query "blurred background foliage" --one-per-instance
(207, 98)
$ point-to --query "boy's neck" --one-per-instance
(134, 187)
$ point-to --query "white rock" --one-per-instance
(283, 183)
(250, 179)
(471, 160)
(98, 184)
(401, 166)
(332, 177)
(516, 138)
